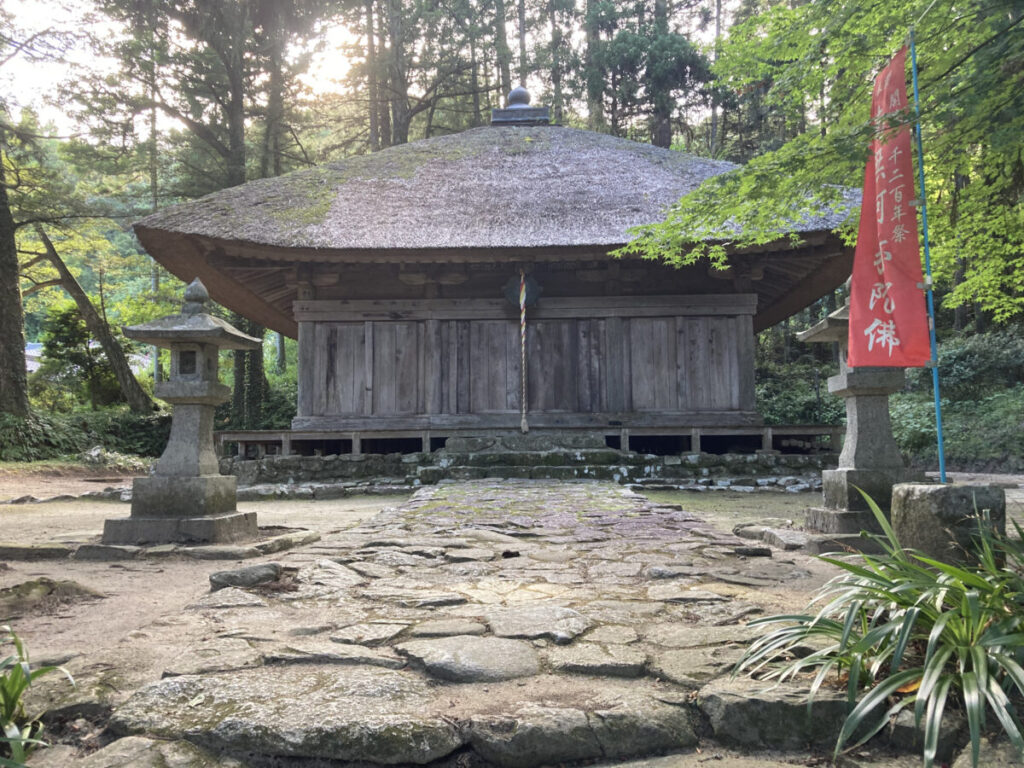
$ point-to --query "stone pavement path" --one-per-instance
(511, 623)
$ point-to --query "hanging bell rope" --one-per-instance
(522, 351)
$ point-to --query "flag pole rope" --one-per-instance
(523, 426)
(927, 261)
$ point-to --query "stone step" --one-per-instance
(821, 520)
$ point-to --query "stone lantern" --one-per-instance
(870, 459)
(186, 499)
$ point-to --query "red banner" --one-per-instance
(888, 315)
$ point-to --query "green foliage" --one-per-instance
(40, 436)
(19, 730)
(36, 437)
(973, 366)
(811, 65)
(903, 630)
(797, 394)
(121, 431)
(73, 369)
(983, 433)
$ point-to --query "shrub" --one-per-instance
(902, 630)
(20, 731)
(37, 437)
(972, 366)
(798, 394)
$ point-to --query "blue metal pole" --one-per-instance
(927, 263)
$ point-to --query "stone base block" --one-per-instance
(821, 520)
(839, 486)
(167, 496)
(215, 529)
(941, 521)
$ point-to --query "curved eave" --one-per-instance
(257, 280)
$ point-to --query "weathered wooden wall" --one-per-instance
(402, 364)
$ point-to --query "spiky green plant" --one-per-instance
(900, 629)
(19, 731)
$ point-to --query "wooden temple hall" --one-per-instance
(412, 277)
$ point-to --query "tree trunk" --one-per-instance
(238, 376)
(504, 53)
(282, 357)
(396, 74)
(556, 62)
(137, 399)
(661, 95)
(713, 143)
(255, 380)
(13, 378)
(383, 87)
(523, 65)
(474, 76)
(270, 158)
(592, 72)
(371, 79)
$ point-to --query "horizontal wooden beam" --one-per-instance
(547, 309)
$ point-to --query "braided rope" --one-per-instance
(522, 350)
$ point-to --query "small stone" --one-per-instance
(593, 659)
(798, 488)
(369, 633)
(680, 593)
(752, 551)
(245, 577)
(613, 633)
(373, 570)
(328, 573)
(107, 552)
(333, 653)
(785, 539)
(671, 571)
(229, 597)
(677, 635)
(447, 628)
(468, 554)
(533, 621)
(693, 667)
(552, 555)
(220, 552)
(471, 659)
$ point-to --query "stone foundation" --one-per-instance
(839, 487)
(475, 460)
(221, 529)
(161, 496)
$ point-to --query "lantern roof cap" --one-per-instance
(193, 324)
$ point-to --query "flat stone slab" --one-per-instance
(472, 659)
(595, 659)
(746, 713)
(394, 717)
(535, 621)
(447, 628)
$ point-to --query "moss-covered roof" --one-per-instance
(490, 187)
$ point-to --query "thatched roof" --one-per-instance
(491, 187)
(488, 195)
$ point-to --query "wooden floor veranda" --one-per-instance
(799, 438)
